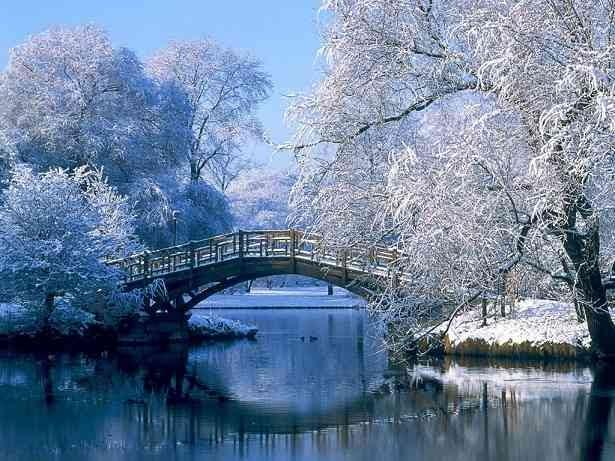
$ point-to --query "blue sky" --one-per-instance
(282, 33)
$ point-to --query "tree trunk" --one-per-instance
(49, 302)
(195, 171)
(599, 322)
(590, 295)
(584, 252)
(579, 310)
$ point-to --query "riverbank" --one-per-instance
(68, 326)
(540, 329)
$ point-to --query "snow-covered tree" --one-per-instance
(171, 208)
(259, 199)
(224, 89)
(522, 182)
(57, 229)
(69, 99)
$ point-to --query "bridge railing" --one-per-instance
(250, 244)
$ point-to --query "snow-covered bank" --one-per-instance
(70, 325)
(303, 297)
(201, 326)
(66, 320)
(535, 328)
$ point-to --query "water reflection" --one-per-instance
(280, 398)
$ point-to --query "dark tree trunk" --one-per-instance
(195, 171)
(49, 304)
(599, 322)
(579, 310)
(590, 292)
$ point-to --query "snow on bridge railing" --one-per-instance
(250, 244)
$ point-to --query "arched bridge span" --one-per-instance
(198, 269)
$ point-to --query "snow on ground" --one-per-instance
(212, 326)
(303, 297)
(533, 324)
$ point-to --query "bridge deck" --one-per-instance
(270, 244)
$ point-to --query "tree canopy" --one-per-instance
(475, 136)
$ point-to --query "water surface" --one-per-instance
(315, 385)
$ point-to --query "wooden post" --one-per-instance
(293, 250)
(240, 243)
(192, 255)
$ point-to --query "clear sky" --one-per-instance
(282, 33)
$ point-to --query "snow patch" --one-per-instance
(534, 322)
(212, 326)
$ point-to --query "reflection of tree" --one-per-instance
(596, 427)
(163, 369)
(46, 379)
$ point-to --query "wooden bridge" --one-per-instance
(195, 270)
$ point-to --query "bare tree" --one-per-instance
(224, 89)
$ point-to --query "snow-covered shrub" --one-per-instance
(210, 326)
(17, 320)
(69, 320)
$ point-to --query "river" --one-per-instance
(314, 385)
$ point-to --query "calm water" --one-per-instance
(282, 398)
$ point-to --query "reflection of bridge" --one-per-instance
(201, 268)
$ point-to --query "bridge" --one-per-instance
(198, 269)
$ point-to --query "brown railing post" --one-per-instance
(240, 241)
